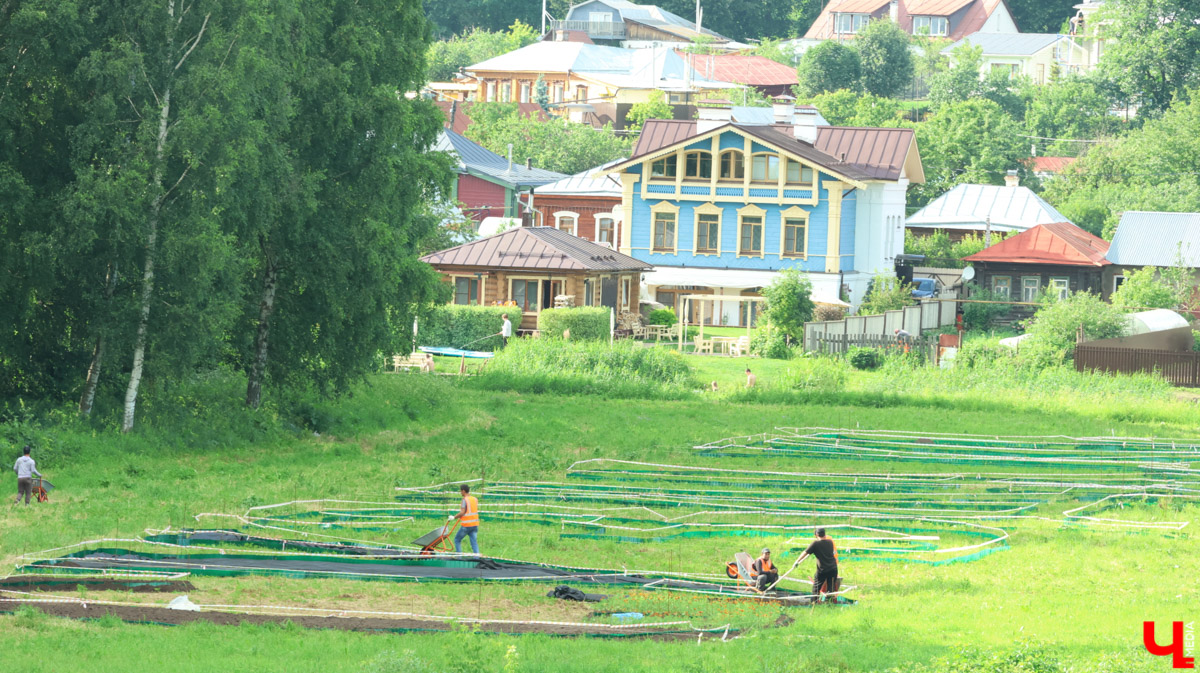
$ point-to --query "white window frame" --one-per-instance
(1062, 284)
(572, 216)
(848, 23)
(526, 89)
(626, 286)
(935, 26)
(1037, 288)
(714, 248)
(612, 219)
(1116, 281)
(490, 89)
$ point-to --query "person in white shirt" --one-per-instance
(505, 330)
(25, 469)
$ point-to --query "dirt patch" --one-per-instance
(167, 616)
(42, 584)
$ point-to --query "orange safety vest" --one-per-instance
(766, 565)
(471, 504)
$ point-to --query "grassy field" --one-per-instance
(1059, 598)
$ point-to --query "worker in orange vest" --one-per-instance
(468, 516)
(767, 573)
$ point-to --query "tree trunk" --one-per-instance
(139, 347)
(93, 376)
(265, 308)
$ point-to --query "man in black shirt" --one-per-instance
(827, 563)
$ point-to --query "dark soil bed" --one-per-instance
(167, 616)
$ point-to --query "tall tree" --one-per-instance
(1152, 49)
(335, 252)
(1042, 16)
(971, 141)
(887, 62)
(828, 66)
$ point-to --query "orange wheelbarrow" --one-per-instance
(437, 540)
(41, 488)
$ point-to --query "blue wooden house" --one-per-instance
(719, 207)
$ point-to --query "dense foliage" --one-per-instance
(828, 66)
(655, 108)
(621, 368)
(447, 57)
(662, 316)
(555, 144)
(887, 62)
(473, 327)
(586, 323)
(886, 293)
(789, 303)
(1055, 326)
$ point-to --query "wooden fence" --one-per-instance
(924, 317)
(1181, 368)
(839, 344)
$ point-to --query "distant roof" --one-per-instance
(634, 68)
(655, 17)
(971, 206)
(765, 116)
(746, 69)
(567, 36)
(1155, 239)
(1049, 164)
(1008, 44)
(871, 154)
(583, 184)
(543, 248)
(474, 158)
(973, 14)
(458, 112)
(1055, 243)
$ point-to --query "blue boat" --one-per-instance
(455, 352)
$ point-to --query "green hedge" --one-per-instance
(454, 326)
(587, 323)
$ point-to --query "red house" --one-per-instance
(588, 207)
(1058, 258)
(488, 184)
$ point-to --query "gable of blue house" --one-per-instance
(781, 211)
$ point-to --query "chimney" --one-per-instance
(713, 113)
(1011, 180)
(528, 162)
(894, 11)
(784, 108)
(805, 128)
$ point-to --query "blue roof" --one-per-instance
(1156, 239)
(1008, 44)
(475, 158)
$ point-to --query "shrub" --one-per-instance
(587, 323)
(623, 367)
(980, 316)
(662, 316)
(828, 312)
(887, 293)
(769, 344)
(865, 358)
(981, 353)
(458, 326)
(789, 303)
(821, 374)
(1055, 325)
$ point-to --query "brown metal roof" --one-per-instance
(858, 6)
(880, 153)
(1055, 243)
(871, 153)
(535, 248)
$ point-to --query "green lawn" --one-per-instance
(1068, 595)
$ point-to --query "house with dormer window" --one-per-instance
(955, 19)
(720, 207)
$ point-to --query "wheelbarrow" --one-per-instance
(437, 540)
(41, 488)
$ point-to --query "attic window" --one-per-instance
(850, 23)
(664, 168)
(931, 25)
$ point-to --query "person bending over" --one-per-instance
(827, 563)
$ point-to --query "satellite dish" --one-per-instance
(969, 273)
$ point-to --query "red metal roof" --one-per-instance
(742, 68)
(936, 7)
(539, 248)
(1056, 243)
(974, 14)
(659, 133)
(1049, 164)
